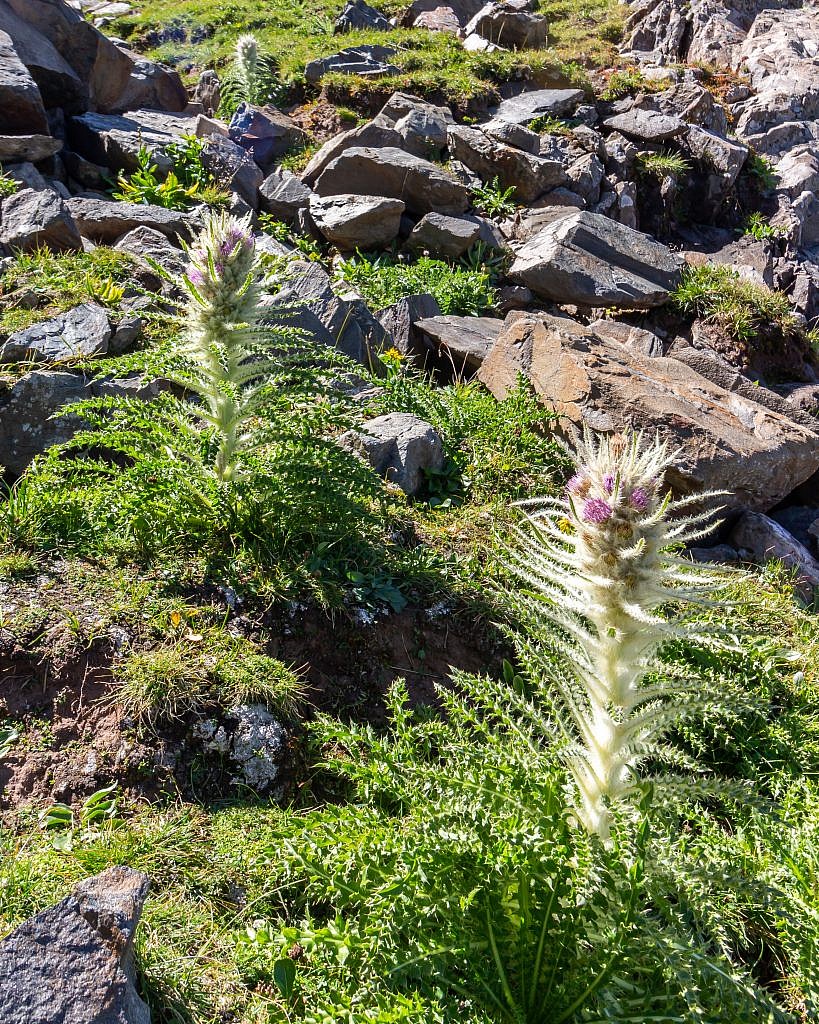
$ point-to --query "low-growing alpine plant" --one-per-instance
(602, 560)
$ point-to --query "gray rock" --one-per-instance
(589, 260)
(541, 103)
(208, 92)
(82, 331)
(798, 171)
(126, 333)
(462, 341)
(359, 15)
(399, 447)
(421, 185)
(444, 236)
(423, 131)
(264, 133)
(719, 553)
(725, 157)
(585, 176)
(366, 61)
(28, 147)
(21, 105)
(151, 86)
(399, 321)
(145, 243)
(441, 15)
(307, 301)
(30, 219)
(357, 221)
(802, 523)
(637, 338)
(283, 194)
(760, 539)
(254, 741)
(114, 140)
(509, 26)
(26, 410)
(646, 125)
(374, 135)
(511, 134)
(106, 221)
(72, 962)
(529, 175)
(26, 175)
(233, 168)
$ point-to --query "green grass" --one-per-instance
(662, 165)
(738, 306)
(431, 63)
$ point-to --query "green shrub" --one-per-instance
(738, 306)
(382, 281)
(757, 227)
(8, 186)
(493, 201)
(186, 183)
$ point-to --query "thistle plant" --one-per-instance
(226, 349)
(252, 77)
(602, 562)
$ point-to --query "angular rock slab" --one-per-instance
(646, 125)
(423, 186)
(727, 442)
(399, 447)
(72, 962)
(30, 218)
(541, 103)
(357, 221)
(763, 540)
(82, 331)
(587, 259)
(463, 341)
(444, 236)
(105, 221)
(529, 175)
(21, 105)
(28, 147)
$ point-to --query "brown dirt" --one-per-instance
(57, 686)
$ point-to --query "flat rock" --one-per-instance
(444, 236)
(373, 134)
(587, 259)
(399, 321)
(72, 962)
(540, 103)
(508, 26)
(358, 15)
(422, 186)
(283, 194)
(462, 341)
(399, 447)
(726, 440)
(357, 221)
(32, 218)
(646, 125)
(114, 140)
(365, 61)
(82, 331)
(28, 147)
(105, 221)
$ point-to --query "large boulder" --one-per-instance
(28, 420)
(358, 15)
(374, 134)
(760, 539)
(356, 221)
(365, 61)
(264, 133)
(460, 342)
(114, 140)
(444, 236)
(105, 221)
(529, 175)
(28, 147)
(422, 186)
(528, 106)
(82, 331)
(507, 25)
(21, 105)
(284, 195)
(73, 962)
(30, 219)
(727, 441)
(587, 259)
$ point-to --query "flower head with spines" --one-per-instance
(603, 557)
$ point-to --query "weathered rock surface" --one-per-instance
(72, 962)
(264, 133)
(541, 103)
(82, 331)
(444, 236)
(400, 319)
(359, 15)
(399, 447)
(421, 185)
(509, 26)
(357, 221)
(26, 408)
(727, 441)
(366, 61)
(529, 175)
(105, 221)
(586, 259)
(462, 341)
(114, 140)
(441, 15)
(32, 218)
(761, 539)
(283, 194)
(646, 125)
(28, 147)
(254, 741)
(21, 105)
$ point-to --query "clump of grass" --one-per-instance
(8, 186)
(627, 82)
(162, 684)
(761, 170)
(383, 281)
(740, 307)
(666, 164)
(16, 565)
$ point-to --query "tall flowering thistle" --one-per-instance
(252, 76)
(225, 347)
(603, 558)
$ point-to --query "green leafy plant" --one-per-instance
(628, 81)
(493, 201)
(740, 307)
(63, 825)
(756, 226)
(8, 186)
(145, 186)
(383, 281)
(253, 77)
(9, 735)
(761, 171)
(548, 124)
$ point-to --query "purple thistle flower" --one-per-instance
(595, 510)
(575, 485)
(196, 277)
(639, 499)
(608, 482)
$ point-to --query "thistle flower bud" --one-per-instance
(604, 564)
